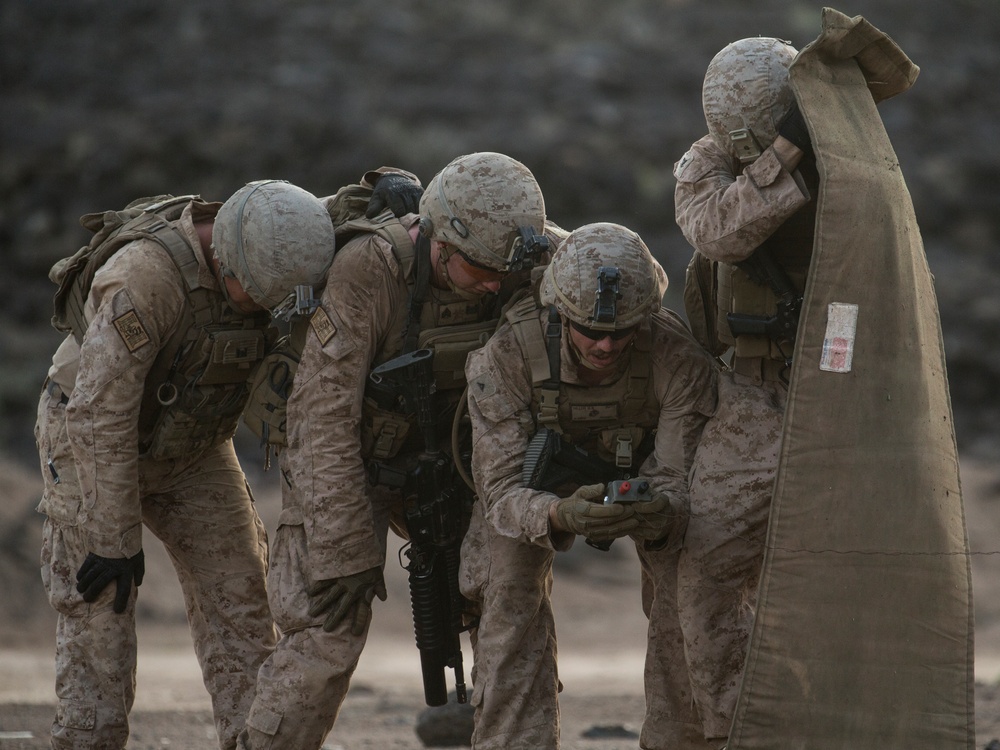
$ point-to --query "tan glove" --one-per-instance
(585, 514)
(659, 523)
(338, 596)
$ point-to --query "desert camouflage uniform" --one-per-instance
(333, 522)
(508, 552)
(100, 489)
(726, 215)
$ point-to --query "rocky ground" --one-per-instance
(107, 100)
(600, 626)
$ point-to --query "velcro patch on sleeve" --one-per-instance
(131, 330)
(322, 326)
(482, 386)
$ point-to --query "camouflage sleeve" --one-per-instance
(134, 306)
(725, 216)
(499, 407)
(359, 310)
(685, 379)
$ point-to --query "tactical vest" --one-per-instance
(450, 326)
(439, 320)
(737, 292)
(266, 411)
(615, 419)
(197, 385)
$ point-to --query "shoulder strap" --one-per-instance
(523, 318)
(418, 293)
(144, 218)
(541, 346)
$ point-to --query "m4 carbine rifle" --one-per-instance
(763, 269)
(433, 512)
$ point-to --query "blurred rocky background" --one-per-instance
(107, 100)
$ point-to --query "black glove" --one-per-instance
(396, 192)
(97, 572)
(338, 596)
(793, 128)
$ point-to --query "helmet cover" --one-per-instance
(746, 93)
(273, 236)
(604, 277)
(478, 202)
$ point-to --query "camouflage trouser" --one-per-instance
(732, 482)
(302, 684)
(204, 515)
(671, 721)
(515, 678)
(515, 683)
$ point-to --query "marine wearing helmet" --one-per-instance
(604, 278)
(746, 94)
(272, 236)
(477, 206)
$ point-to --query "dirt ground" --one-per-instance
(596, 602)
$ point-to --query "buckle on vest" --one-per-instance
(383, 445)
(623, 450)
(548, 406)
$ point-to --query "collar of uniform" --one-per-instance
(199, 211)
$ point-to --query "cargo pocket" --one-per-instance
(265, 721)
(288, 573)
(76, 715)
(61, 489)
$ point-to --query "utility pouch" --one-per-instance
(451, 346)
(622, 444)
(231, 354)
(383, 432)
(180, 432)
(266, 411)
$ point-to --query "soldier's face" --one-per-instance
(239, 300)
(465, 276)
(234, 292)
(601, 352)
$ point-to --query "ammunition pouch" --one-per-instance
(383, 431)
(200, 404)
(266, 410)
(452, 346)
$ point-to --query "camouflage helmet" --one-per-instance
(604, 277)
(478, 203)
(272, 236)
(746, 93)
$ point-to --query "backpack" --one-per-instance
(142, 218)
(700, 305)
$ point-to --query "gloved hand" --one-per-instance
(659, 524)
(338, 596)
(97, 572)
(583, 513)
(793, 128)
(396, 192)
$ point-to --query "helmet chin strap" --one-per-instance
(220, 277)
